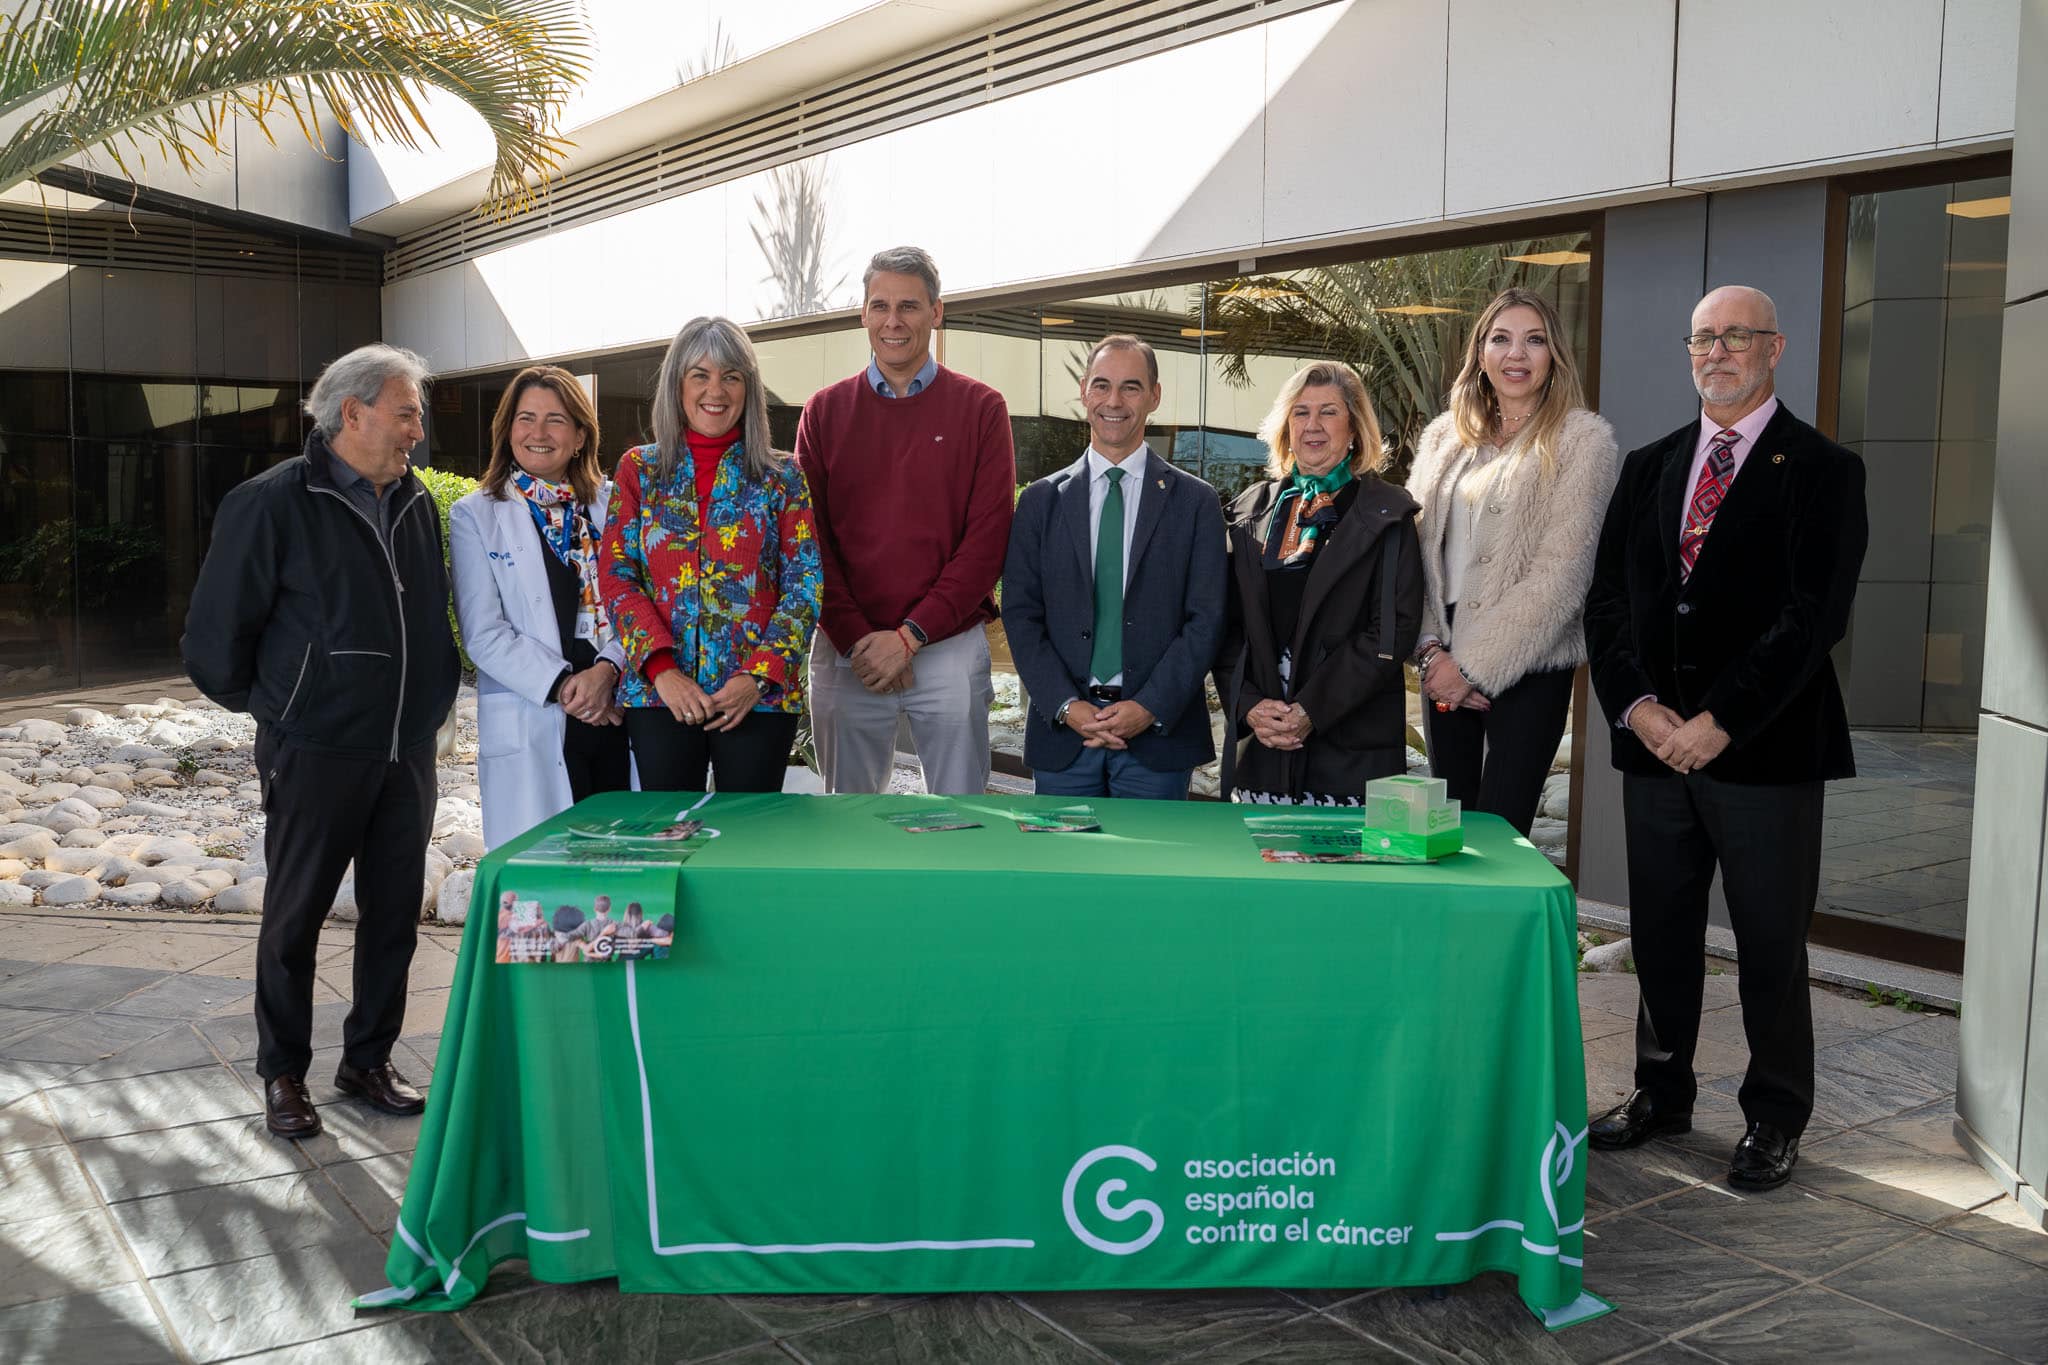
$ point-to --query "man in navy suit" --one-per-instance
(1113, 600)
(1726, 572)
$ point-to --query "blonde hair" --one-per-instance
(1475, 406)
(585, 472)
(1368, 450)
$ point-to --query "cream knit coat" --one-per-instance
(1532, 549)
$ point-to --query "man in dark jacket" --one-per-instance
(1725, 574)
(1113, 600)
(321, 610)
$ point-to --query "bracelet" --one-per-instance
(1059, 717)
(909, 642)
(1423, 660)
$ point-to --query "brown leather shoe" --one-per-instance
(288, 1110)
(380, 1087)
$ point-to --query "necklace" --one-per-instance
(1503, 421)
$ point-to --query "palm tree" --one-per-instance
(1400, 320)
(169, 76)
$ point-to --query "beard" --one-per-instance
(1729, 389)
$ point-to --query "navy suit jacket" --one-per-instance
(1174, 595)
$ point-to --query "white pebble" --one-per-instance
(10, 868)
(72, 891)
(79, 777)
(79, 860)
(242, 898)
(47, 734)
(451, 905)
(57, 791)
(14, 893)
(137, 753)
(462, 846)
(113, 780)
(34, 847)
(133, 893)
(83, 716)
(85, 836)
(100, 798)
(186, 893)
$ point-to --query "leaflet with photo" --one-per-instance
(590, 915)
(1332, 835)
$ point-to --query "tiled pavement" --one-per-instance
(1896, 838)
(144, 1214)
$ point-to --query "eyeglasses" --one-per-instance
(1736, 339)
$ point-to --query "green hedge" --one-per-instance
(448, 489)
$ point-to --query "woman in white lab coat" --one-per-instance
(524, 552)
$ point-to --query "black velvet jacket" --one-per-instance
(1747, 636)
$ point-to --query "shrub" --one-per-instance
(448, 489)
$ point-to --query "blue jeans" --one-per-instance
(1113, 772)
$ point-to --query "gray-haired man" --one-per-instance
(321, 610)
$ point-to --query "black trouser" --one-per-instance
(674, 757)
(1766, 842)
(322, 811)
(1495, 761)
(596, 758)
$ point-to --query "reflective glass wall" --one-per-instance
(148, 363)
(1924, 274)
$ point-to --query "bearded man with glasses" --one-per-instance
(1726, 571)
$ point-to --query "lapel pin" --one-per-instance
(1777, 459)
(1162, 483)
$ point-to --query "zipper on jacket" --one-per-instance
(397, 595)
(304, 661)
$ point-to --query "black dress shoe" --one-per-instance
(1763, 1159)
(1633, 1122)
(287, 1108)
(380, 1087)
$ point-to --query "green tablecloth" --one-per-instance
(980, 1060)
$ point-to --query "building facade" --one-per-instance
(1246, 183)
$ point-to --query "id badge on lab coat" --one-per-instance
(586, 624)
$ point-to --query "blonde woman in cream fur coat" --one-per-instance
(1513, 481)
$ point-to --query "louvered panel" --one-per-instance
(1050, 45)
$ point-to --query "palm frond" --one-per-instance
(127, 75)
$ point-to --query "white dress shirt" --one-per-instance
(1133, 488)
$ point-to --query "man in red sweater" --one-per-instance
(912, 477)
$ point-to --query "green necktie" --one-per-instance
(1107, 660)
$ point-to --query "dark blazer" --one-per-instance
(303, 618)
(1347, 655)
(1173, 610)
(1747, 636)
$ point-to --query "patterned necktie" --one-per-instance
(1715, 476)
(1106, 660)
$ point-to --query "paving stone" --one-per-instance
(596, 1322)
(56, 1256)
(1789, 1228)
(196, 1155)
(1814, 1324)
(1158, 1326)
(393, 1339)
(224, 1223)
(1482, 1321)
(1663, 1282)
(185, 996)
(63, 985)
(1978, 1294)
(160, 1099)
(40, 1182)
(109, 1327)
(977, 1327)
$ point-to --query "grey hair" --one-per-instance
(903, 260)
(361, 375)
(723, 344)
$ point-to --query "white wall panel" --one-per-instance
(1979, 68)
(1557, 99)
(1177, 156)
(951, 188)
(1766, 83)
(1346, 146)
(425, 314)
(1054, 227)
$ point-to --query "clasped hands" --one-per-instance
(715, 711)
(1444, 683)
(1109, 727)
(1278, 724)
(1681, 745)
(881, 661)
(588, 696)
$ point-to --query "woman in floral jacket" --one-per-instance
(710, 575)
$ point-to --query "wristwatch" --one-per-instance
(916, 633)
(1059, 717)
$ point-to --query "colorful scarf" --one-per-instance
(1309, 494)
(565, 525)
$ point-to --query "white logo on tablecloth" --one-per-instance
(1116, 1213)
